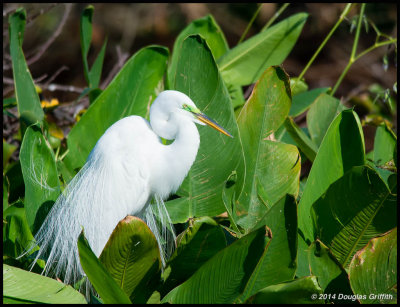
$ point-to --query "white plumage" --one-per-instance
(128, 167)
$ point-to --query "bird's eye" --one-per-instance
(186, 107)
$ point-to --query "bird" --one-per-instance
(127, 168)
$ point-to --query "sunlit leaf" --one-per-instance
(39, 170)
(28, 102)
(373, 270)
(24, 287)
(355, 208)
(197, 76)
(223, 278)
(131, 256)
(245, 63)
(100, 278)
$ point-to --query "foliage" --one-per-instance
(255, 227)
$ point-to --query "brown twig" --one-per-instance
(121, 61)
(55, 75)
(52, 38)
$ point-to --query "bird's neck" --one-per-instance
(179, 156)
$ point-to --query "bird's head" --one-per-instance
(173, 106)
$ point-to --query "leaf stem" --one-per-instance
(355, 44)
(276, 15)
(353, 51)
(341, 18)
(354, 57)
(250, 23)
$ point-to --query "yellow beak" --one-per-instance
(205, 119)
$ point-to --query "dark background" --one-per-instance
(130, 27)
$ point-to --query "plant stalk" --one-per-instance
(341, 18)
(276, 15)
(250, 24)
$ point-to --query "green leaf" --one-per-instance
(341, 149)
(320, 115)
(178, 209)
(384, 145)
(86, 37)
(223, 278)
(245, 63)
(373, 270)
(236, 94)
(279, 264)
(302, 102)
(29, 108)
(130, 93)
(5, 193)
(297, 86)
(15, 180)
(9, 103)
(8, 150)
(197, 76)
(207, 28)
(302, 140)
(229, 199)
(100, 278)
(332, 277)
(16, 232)
(266, 162)
(24, 287)
(39, 170)
(95, 71)
(131, 256)
(298, 291)
(196, 245)
(354, 209)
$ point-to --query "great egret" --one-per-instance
(128, 167)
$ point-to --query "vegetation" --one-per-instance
(278, 214)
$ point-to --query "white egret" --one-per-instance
(128, 167)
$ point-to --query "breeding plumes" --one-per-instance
(128, 172)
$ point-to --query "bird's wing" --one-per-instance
(112, 184)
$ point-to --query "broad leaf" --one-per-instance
(266, 162)
(197, 76)
(301, 139)
(320, 115)
(100, 278)
(341, 149)
(131, 256)
(299, 291)
(28, 102)
(8, 150)
(373, 270)
(303, 101)
(131, 92)
(297, 86)
(197, 244)
(16, 231)
(24, 287)
(39, 170)
(354, 209)
(279, 264)
(207, 28)
(385, 144)
(245, 63)
(223, 278)
(332, 277)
